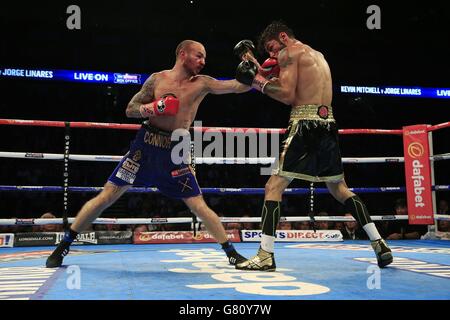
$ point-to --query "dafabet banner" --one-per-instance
(417, 174)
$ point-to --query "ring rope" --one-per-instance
(38, 221)
(104, 125)
(245, 191)
(200, 160)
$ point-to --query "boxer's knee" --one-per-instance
(340, 191)
(275, 187)
(198, 206)
(271, 191)
(108, 196)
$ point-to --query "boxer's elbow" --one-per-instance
(132, 111)
(287, 97)
(283, 94)
(128, 111)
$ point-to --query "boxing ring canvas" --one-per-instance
(306, 271)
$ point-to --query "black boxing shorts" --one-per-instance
(311, 149)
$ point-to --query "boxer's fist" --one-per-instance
(243, 47)
(246, 72)
(270, 68)
(167, 105)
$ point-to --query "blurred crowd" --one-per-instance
(141, 207)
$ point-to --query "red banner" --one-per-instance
(181, 237)
(417, 174)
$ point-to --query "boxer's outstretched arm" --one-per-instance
(144, 96)
(215, 86)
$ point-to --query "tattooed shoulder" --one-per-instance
(149, 84)
(284, 58)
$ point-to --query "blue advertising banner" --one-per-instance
(139, 79)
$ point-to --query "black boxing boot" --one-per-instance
(383, 252)
(56, 258)
(233, 256)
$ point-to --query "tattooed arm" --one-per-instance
(283, 88)
(144, 96)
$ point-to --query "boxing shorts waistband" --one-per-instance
(315, 112)
(156, 137)
(152, 129)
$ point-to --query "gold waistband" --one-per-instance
(312, 112)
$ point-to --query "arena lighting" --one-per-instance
(139, 78)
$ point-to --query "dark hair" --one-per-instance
(271, 32)
(400, 203)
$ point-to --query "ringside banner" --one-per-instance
(6, 240)
(31, 239)
(181, 237)
(295, 235)
(417, 174)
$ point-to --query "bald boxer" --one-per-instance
(167, 101)
(311, 150)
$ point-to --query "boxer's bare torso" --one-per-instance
(305, 76)
(190, 92)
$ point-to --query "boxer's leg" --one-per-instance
(88, 213)
(271, 211)
(358, 209)
(214, 226)
(270, 216)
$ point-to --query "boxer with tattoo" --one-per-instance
(167, 101)
(302, 80)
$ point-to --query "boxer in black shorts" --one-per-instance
(169, 101)
(311, 149)
(299, 76)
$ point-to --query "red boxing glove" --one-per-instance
(167, 105)
(270, 68)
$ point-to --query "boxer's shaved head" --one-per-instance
(184, 46)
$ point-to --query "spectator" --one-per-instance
(338, 225)
(443, 225)
(303, 225)
(322, 225)
(50, 227)
(247, 225)
(352, 230)
(140, 228)
(113, 227)
(233, 226)
(284, 225)
(100, 227)
(443, 207)
(401, 229)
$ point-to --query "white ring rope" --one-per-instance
(199, 160)
(39, 222)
